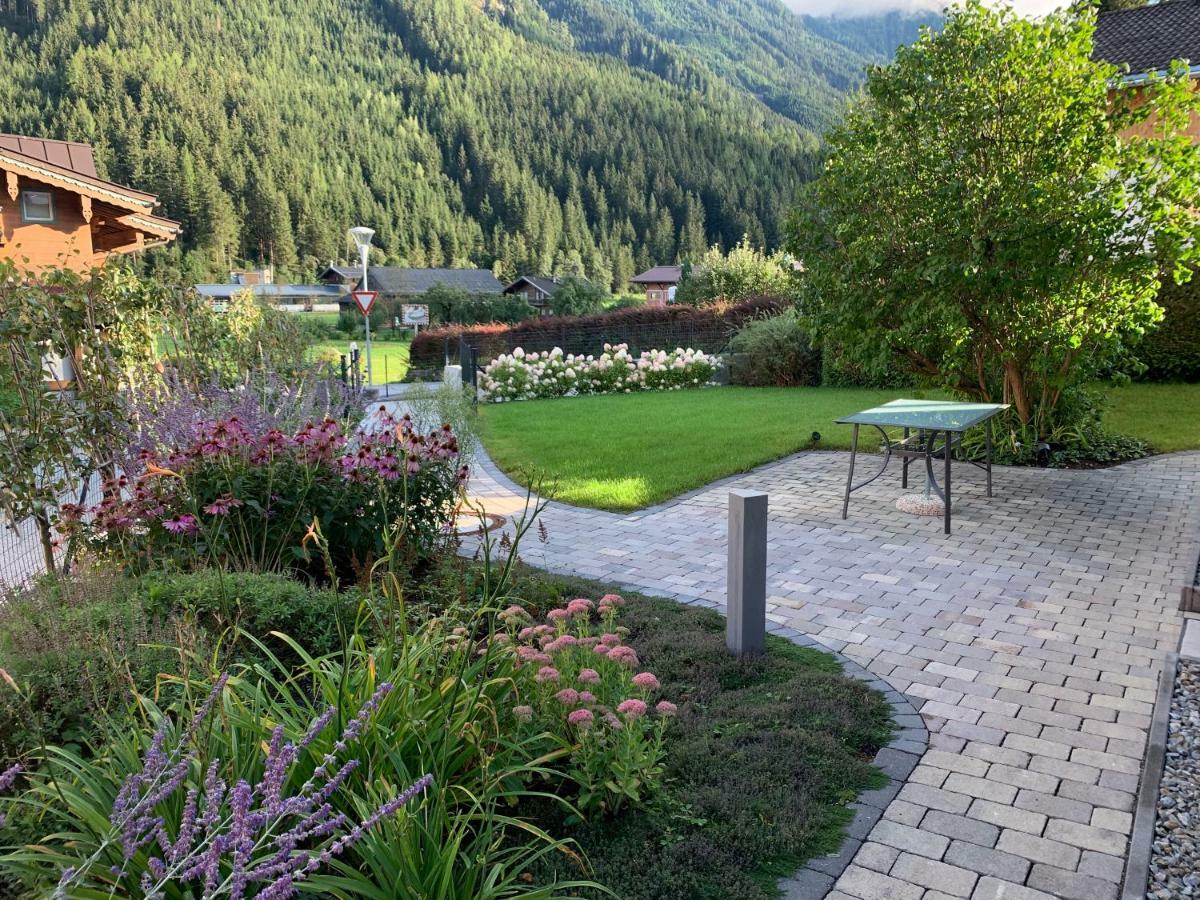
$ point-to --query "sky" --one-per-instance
(868, 7)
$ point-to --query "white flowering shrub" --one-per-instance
(527, 376)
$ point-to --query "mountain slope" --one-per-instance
(463, 132)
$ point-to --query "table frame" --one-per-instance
(921, 445)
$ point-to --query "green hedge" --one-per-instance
(1172, 351)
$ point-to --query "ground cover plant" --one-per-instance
(688, 439)
(758, 760)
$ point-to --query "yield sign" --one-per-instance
(365, 300)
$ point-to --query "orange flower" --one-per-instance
(152, 469)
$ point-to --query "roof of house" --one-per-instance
(543, 284)
(1148, 38)
(395, 280)
(659, 275)
(279, 292)
(67, 154)
(71, 167)
(344, 273)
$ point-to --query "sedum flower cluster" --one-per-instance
(581, 682)
(528, 376)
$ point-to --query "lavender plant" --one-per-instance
(178, 825)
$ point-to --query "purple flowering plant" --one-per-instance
(582, 683)
(244, 495)
(183, 820)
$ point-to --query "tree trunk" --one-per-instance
(44, 534)
(1014, 386)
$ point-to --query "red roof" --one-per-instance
(65, 154)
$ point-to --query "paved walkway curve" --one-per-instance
(1030, 640)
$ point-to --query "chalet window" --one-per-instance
(37, 206)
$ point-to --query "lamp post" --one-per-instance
(362, 239)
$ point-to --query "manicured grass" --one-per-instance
(628, 451)
(389, 359)
(760, 761)
(1166, 416)
(624, 452)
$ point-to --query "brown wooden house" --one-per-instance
(55, 212)
(537, 291)
(659, 283)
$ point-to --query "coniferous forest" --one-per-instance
(572, 136)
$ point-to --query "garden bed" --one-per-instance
(761, 759)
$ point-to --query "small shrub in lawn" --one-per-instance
(247, 500)
(527, 376)
(775, 351)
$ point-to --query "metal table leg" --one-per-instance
(904, 464)
(850, 477)
(946, 487)
(988, 443)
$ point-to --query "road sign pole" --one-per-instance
(367, 315)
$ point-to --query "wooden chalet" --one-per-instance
(56, 212)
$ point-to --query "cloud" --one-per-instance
(853, 8)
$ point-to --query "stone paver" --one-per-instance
(1030, 640)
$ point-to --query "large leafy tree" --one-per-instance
(998, 210)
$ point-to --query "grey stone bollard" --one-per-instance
(746, 600)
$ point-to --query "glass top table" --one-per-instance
(931, 415)
(933, 421)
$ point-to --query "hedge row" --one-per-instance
(1172, 350)
(706, 328)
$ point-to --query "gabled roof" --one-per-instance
(67, 154)
(1148, 38)
(71, 167)
(395, 280)
(340, 273)
(659, 275)
(546, 285)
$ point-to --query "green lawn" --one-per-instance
(389, 359)
(1166, 416)
(624, 452)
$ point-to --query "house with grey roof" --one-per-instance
(406, 285)
(536, 289)
(659, 284)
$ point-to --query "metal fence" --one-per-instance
(22, 558)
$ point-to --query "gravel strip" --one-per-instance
(1175, 859)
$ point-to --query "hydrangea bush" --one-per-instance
(582, 683)
(251, 499)
(528, 376)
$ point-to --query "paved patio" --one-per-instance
(1030, 640)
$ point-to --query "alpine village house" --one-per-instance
(56, 212)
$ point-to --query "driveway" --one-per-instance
(1030, 640)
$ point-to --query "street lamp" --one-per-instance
(362, 239)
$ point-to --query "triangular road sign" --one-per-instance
(365, 300)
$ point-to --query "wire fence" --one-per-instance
(22, 557)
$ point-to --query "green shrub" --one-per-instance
(775, 351)
(220, 602)
(1171, 351)
(77, 649)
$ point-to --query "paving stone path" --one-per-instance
(1030, 640)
